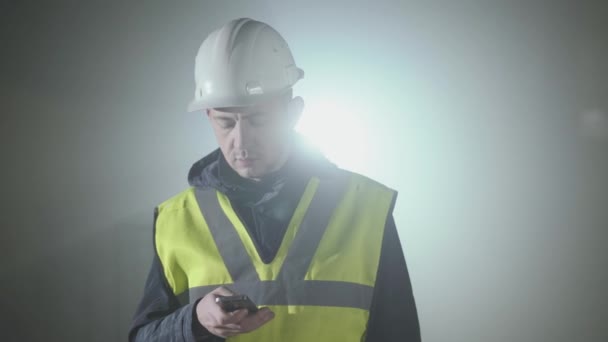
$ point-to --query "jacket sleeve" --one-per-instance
(393, 315)
(159, 316)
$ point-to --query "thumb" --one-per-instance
(259, 318)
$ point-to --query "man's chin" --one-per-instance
(249, 173)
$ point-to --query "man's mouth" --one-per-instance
(246, 162)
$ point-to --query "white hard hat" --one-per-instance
(243, 63)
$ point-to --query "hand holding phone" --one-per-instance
(212, 313)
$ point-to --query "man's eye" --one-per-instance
(226, 123)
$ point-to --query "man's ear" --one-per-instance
(294, 110)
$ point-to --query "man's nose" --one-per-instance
(242, 135)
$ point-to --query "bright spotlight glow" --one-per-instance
(338, 131)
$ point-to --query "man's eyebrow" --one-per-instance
(245, 116)
(257, 113)
(224, 117)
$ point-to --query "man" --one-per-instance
(314, 246)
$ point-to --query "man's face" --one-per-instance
(254, 140)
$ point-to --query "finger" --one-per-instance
(225, 330)
(233, 317)
(232, 326)
(256, 320)
(222, 332)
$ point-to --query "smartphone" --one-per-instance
(233, 303)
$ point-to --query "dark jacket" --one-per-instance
(266, 207)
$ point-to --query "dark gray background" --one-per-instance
(489, 118)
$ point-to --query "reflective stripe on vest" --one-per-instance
(322, 277)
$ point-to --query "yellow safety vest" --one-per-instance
(319, 285)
